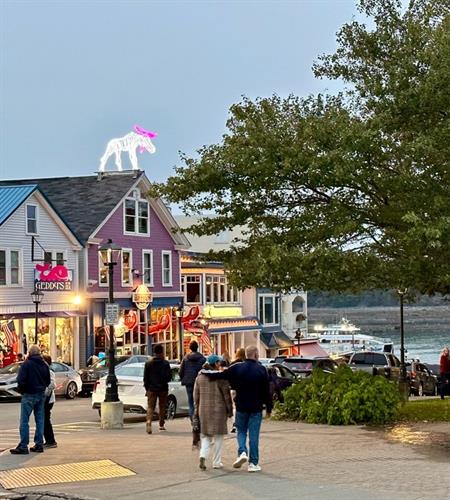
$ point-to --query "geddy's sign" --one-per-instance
(53, 279)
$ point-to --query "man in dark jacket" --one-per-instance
(157, 375)
(190, 366)
(32, 380)
(250, 380)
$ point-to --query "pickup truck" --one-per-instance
(376, 363)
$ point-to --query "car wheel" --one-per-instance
(171, 408)
(71, 390)
(420, 390)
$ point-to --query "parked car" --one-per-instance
(303, 366)
(68, 381)
(422, 381)
(281, 377)
(266, 361)
(376, 363)
(91, 374)
(130, 378)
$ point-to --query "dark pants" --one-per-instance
(49, 436)
(152, 396)
(445, 384)
(190, 395)
(31, 403)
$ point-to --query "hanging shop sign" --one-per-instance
(142, 297)
(48, 278)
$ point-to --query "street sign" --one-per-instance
(111, 314)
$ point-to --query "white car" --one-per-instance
(130, 380)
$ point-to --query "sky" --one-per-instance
(75, 74)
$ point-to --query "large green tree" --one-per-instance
(340, 192)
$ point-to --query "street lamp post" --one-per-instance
(179, 313)
(37, 297)
(298, 336)
(112, 414)
(402, 337)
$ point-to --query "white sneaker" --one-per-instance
(240, 461)
(253, 468)
(218, 466)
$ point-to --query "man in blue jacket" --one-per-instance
(250, 380)
(190, 366)
(32, 380)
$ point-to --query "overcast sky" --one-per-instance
(77, 73)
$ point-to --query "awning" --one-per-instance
(47, 314)
(276, 339)
(309, 349)
(224, 325)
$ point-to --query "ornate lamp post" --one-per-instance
(298, 336)
(179, 313)
(112, 414)
(37, 297)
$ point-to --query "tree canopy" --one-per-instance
(342, 192)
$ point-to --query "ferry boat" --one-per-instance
(344, 337)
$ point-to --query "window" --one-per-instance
(103, 279)
(269, 309)
(10, 267)
(147, 267)
(54, 258)
(190, 285)
(31, 212)
(127, 264)
(219, 291)
(166, 257)
(136, 215)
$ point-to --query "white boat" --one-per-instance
(343, 337)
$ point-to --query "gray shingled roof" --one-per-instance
(83, 202)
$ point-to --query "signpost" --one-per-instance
(111, 313)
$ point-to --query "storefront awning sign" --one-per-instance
(48, 278)
(142, 297)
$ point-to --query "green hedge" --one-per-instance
(343, 398)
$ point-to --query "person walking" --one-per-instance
(190, 366)
(32, 380)
(50, 399)
(444, 370)
(213, 406)
(157, 375)
(251, 382)
(239, 356)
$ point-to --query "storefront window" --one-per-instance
(43, 333)
(64, 339)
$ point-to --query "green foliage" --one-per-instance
(430, 410)
(343, 398)
(343, 192)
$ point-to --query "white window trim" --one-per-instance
(274, 298)
(37, 218)
(169, 253)
(100, 265)
(149, 252)
(200, 287)
(136, 220)
(130, 284)
(8, 251)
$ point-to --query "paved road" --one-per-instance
(299, 461)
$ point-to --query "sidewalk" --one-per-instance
(298, 460)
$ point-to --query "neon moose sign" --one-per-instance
(140, 138)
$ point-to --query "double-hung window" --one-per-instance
(31, 214)
(127, 265)
(10, 267)
(269, 309)
(136, 215)
(166, 267)
(147, 267)
(103, 276)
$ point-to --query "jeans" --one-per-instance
(32, 403)
(152, 396)
(248, 423)
(190, 395)
(48, 427)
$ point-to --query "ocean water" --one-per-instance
(427, 329)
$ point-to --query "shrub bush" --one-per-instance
(343, 398)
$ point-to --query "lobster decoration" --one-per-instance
(163, 324)
(49, 273)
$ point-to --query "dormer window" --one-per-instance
(136, 214)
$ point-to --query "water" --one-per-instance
(427, 329)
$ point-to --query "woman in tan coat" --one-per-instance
(212, 406)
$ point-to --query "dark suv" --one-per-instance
(422, 381)
(303, 367)
(91, 374)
